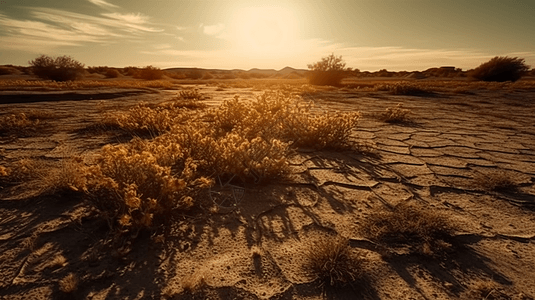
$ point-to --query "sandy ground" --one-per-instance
(255, 251)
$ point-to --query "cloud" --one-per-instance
(47, 26)
(213, 29)
(103, 3)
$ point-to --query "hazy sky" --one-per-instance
(228, 34)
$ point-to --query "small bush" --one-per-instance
(112, 73)
(69, 284)
(495, 181)
(395, 114)
(4, 70)
(402, 88)
(332, 263)
(20, 123)
(141, 183)
(62, 68)
(501, 69)
(149, 73)
(423, 230)
(329, 71)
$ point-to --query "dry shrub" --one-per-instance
(280, 115)
(139, 182)
(62, 68)
(332, 263)
(112, 73)
(190, 94)
(501, 68)
(495, 181)
(45, 177)
(329, 71)
(147, 180)
(395, 114)
(487, 289)
(4, 171)
(4, 70)
(69, 284)
(403, 88)
(423, 230)
(143, 120)
(20, 123)
(232, 153)
(149, 73)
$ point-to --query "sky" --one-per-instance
(370, 35)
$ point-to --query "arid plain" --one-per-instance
(460, 150)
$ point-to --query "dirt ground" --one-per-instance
(254, 249)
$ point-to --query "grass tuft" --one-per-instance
(498, 181)
(424, 231)
(332, 263)
(69, 284)
(396, 114)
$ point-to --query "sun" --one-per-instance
(264, 30)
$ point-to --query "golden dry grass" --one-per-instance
(495, 181)
(423, 230)
(146, 180)
(69, 284)
(332, 262)
(396, 114)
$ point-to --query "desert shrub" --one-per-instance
(396, 114)
(19, 123)
(143, 120)
(69, 284)
(423, 230)
(5, 70)
(403, 88)
(501, 68)
(149, 73)
(190, 94)
(329, 71)
(62, 68)
(112, 73)
(139, 185)
(495, 181)
(130, 71)
(280, 115)
(332, 263)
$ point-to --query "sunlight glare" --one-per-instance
(264, 30)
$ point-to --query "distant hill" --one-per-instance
(265, 72)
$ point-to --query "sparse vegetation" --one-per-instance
(62, 68)
(332, 262)
(19, 123)
(396, 114)
(5, 70)
(501, 68)
(149, 73)
(69, 284)
(422, 230)
(495, 181)
(329, 71)
(403, 88)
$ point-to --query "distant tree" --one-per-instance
(62, 68)
(501, 68)
(329, 71)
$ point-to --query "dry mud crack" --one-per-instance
(438, 160)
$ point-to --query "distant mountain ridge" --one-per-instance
(283, 71)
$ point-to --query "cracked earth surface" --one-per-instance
(436, 160)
